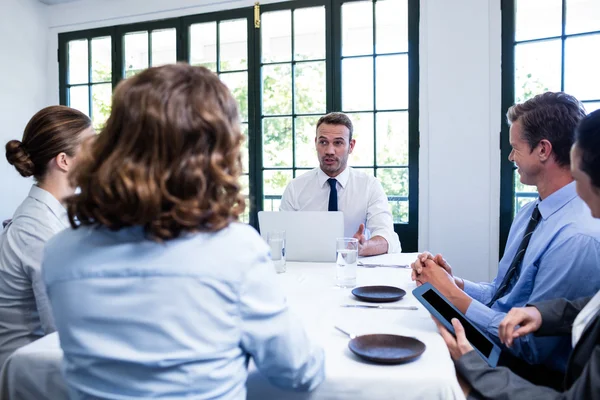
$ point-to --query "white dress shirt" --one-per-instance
(173, 320)
(360, 197)
(25, 313)
(584, 317)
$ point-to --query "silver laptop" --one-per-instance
(309, 235)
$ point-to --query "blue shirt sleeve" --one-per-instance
(482, 292)
(577, 256)
(273, 336)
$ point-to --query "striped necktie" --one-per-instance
(510, 273)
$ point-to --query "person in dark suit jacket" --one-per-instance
(579, 318)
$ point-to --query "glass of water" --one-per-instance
(276, 240)
(347, 257)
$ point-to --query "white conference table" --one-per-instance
(33, 372)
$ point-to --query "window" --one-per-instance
(548, 45)
(308, 57)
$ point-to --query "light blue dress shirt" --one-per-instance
(173, 320)
(25, 313)
(562, 260)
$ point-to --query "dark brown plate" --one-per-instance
(386, 349)
(378, 294)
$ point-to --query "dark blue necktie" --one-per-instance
(518, 259)
(332, 195)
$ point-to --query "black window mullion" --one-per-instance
(329, 75)
(374, 88)
(149, 48)
(89, 54)
(218, 47)
(182, 40)
(507, 186)
(409, 233)
(562, 45)
(293, 70)
(255, 109)
(118, 56)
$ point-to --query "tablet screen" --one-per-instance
(473, 335)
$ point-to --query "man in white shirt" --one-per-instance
(336, 187)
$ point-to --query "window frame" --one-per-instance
(408, 232)
(509, 43)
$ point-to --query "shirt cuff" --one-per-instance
(480, 314)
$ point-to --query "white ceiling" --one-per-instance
(51, 2)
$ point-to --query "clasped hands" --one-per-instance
(518, 322)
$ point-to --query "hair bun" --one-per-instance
(17, 155)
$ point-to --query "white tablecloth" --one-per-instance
(33, 372)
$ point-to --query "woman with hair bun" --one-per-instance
(48, 152)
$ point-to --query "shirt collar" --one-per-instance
(341, 178)
(50, 201)
(557, 200)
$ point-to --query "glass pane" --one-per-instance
(521, 188)
(277, 89)
(274, 185)
(101, 100)
(368, 171)
(277, 142)
(309, 33)
(357, 84)
(78, 62)
(591, 106)
(276, 31)
(310, 88)
(395, 186)
(392, 138)
(101, 59)
(203, 45)
(306, 154)
(244, 150)
(237, 82)
(391, 23)
(136, 53)
(537, 68)
(582, 79)
(357, 28)
(79, 99)
(233, 45)
(523, 193)
(582, 16)
(164, 47)
(363, 134)
(392, 82)
(538, 19)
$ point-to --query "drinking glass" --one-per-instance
(276, 240)
(346, 259)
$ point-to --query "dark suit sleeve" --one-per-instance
(500, 383)
(558, 315)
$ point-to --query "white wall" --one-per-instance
(459, 113)
(460, 123)
(24, 56)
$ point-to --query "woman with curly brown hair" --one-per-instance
(158, 291)
(47, 151)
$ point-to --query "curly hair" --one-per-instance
(552, 116)
(168, 158)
